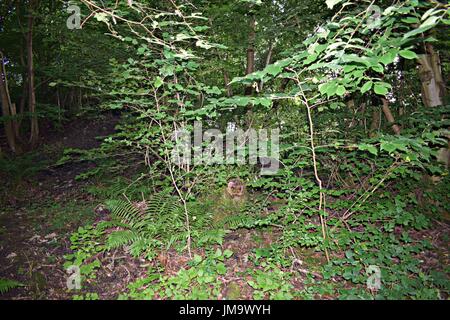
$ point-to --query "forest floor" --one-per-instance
(38, 217)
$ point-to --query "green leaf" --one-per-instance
(328, 88)
(389, 57)
(367, 147)
(101, 16)
(266, 102)
(366, 87)
(158, 82)
(428, 24)
(408, 54)
(141, 50)
(381, 88)
(203, 44)
(221, 269)
(378, 68)
(227, 253)
(411, 20)
(340, 91)
(388, 146)
(197, 259)
(273, 69)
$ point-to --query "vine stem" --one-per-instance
(316, 174)
(319, 181)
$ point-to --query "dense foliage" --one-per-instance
(357, 91)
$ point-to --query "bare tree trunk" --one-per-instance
(268, 59)
(433, 89)
(226, 78)
(375, 124)
(34, 134)
(23, 98)
(6, 107)
(351, 105)
(251, 51)
(389, 117)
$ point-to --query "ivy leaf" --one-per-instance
(158, 82)
(141, 50)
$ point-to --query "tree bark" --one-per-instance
(250, 68)
(389, 117)
(268, 59)
(6, 107)
(375, 124)
(226, 78)
(34, 134)
(433, 89)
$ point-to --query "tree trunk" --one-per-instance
(251, 51)
(34, 134)
(433, 89)
(375, 124)
(6, 107)
(389, 117)
(226, 78)
(268, 59)
(433, 86)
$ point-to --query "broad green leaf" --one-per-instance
(328, 88)
(340, 91)
(389, 57)
(408, 54)
(366, 87)
(381, 88)
(367, 147)
(428, 24)
(378, 68)
(273, 69)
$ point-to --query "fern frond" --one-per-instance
(238, 221)
(7, 284)
(124, 211)
(122, 238)
(151, 225)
